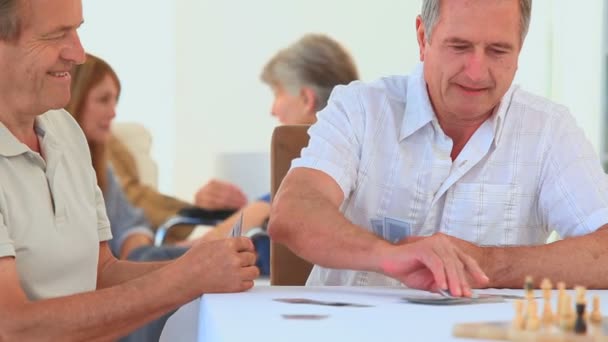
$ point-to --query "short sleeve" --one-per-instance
(334, 146)
(574, 188)
(7, 247)
(103, 224)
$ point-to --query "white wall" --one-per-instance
(577, 63)
(192, 66)
(222, 46)
(137, 38)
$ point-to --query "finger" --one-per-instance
(472, 267)
(243, 244)
(246, 285)
(432, 261)
(249, 273)
(452, 269)
(247, 258)
(237, 198)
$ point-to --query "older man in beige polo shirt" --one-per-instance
(58, 278)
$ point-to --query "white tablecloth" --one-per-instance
(254, 316)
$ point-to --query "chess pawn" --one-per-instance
(546, 286)
(580, 326)
(580, 294)
(561, 294)
(566, 319)
(532, 321)
(529, 287)
(596, 315)
(518, 320)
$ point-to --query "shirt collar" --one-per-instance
(498, 119)
(10, 146)
(419, 111)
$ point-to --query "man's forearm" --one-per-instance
(105, 314)
(133, 242)
(312, 226)
(576, 261)
(119, 271)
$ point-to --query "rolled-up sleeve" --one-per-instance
(334, 145)
(574, 189)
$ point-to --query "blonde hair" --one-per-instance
(84, 77)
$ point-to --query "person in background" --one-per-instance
(58, 278)
(301, 77)
(95, 91)
(158, 208)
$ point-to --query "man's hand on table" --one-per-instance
(435, 262)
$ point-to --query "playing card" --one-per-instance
(318, 302)
(396, 230)
(437, 299)
(377, 226)
(237, 228)
(304, 316)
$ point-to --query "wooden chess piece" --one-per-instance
(596, 315)
(580, 325)
(561, 294)
(532, 321)
(580, 293)
(566, 319)
(529, 287)
(546, 286)
(518, 320)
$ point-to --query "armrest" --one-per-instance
(190, 215)
(204, 214)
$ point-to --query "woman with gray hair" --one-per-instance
(301, 76)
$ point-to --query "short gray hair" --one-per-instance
(314, 61)
(9, 19)
(430, 16)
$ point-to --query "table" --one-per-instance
(254, 316)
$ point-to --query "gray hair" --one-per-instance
(9, 20)
(314, 61)
(430, 16)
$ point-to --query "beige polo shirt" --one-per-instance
(52, 214)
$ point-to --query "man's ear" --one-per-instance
(309, 100)
(421, 37)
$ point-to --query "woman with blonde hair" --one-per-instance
(95, 90)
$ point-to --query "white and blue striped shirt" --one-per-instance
(526, 171)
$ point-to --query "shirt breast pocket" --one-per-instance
(481, 213)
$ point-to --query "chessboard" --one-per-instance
(504, 331)
(566, 323)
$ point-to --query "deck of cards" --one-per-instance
(319, 302)
(391, 229)
(439, 299)
(237, 228)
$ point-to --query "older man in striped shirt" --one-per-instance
(474, 171)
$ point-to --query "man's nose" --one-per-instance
(476, 67)
(73, 50)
